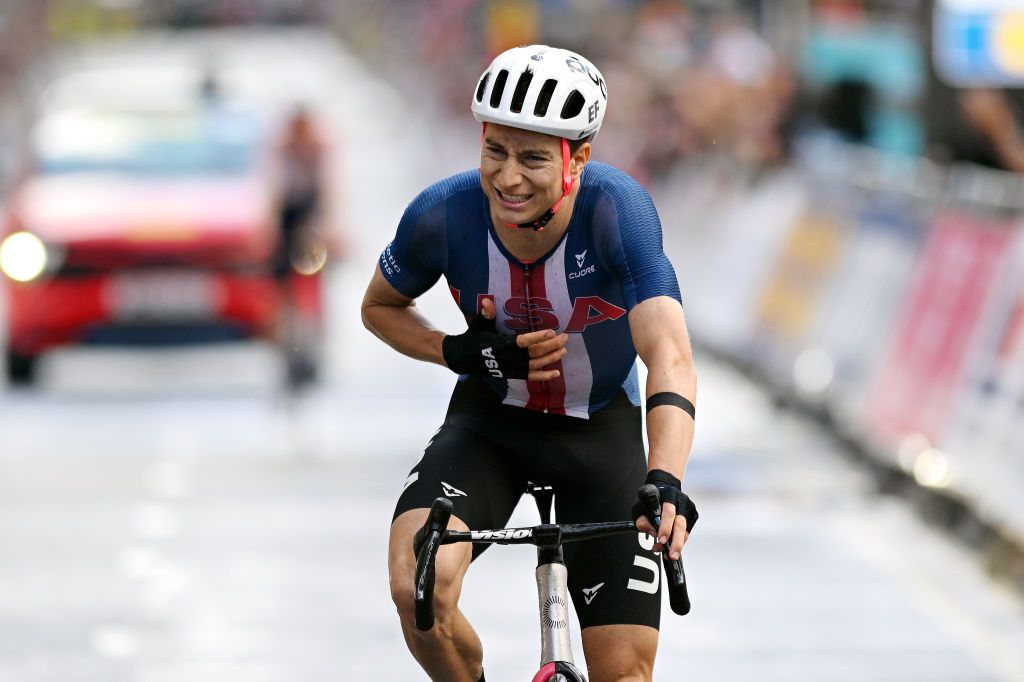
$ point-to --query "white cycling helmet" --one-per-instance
(544, 89)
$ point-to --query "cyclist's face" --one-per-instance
(521, 172)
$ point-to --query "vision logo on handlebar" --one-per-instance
(503, 534)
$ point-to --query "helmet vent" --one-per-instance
(483, 86)
(499, 88)
(573, 105)
(544, 98)
(521, 87)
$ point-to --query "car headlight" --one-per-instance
(23, 256)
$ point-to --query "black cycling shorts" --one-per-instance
(485, 453)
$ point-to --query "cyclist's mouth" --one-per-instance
(512, 200)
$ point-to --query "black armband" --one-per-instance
(670, 398)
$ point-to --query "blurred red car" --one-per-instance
(147, 225)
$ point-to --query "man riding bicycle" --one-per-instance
(557, 263)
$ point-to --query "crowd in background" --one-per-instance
(682, 81)
(692, 78)
(687, 77)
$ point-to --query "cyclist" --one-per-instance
(557, 264)
(301, 154)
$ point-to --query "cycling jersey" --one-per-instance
(609, 259)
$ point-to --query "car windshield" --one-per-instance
(208, 141)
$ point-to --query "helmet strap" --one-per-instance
(567, 185)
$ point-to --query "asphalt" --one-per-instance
(268, 563)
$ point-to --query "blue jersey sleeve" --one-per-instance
(415, 259)
(628, 224)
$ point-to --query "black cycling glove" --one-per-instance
(483, 351)
(669, 488)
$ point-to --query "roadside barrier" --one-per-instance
(886, 295)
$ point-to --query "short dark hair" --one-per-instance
(576, 144)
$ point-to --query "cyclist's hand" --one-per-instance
(672, 525)
(673, 530)
(675, 527)
(484, 351)
(545, 347)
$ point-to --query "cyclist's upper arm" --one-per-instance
(632, 232)
(381, 292)
(416, 258)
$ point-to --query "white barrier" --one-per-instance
(889, 292)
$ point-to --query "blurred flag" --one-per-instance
(979, 42)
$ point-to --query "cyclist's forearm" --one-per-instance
(669, 429)
(405, 330)
(661, 340)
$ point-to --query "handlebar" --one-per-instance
(675, 578)
(435, 533)
(426, 544)
(547, 535)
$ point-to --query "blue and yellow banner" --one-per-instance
(979, 42)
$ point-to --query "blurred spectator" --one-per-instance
(23, 42)
(739, 54)
(978, 125)
(736, 98)
(844, 109)
(661, 40)
(510, 23)
(685, 79)
(302, 154)
(303, 245)
(990, 113)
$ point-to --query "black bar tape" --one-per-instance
(670, 398)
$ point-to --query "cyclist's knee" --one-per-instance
(446, 595)
(620, 653)
(450, 568)
(641, 672)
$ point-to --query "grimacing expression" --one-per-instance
(520, 171)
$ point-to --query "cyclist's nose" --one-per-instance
(509, 176)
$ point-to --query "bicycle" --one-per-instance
(552, 591)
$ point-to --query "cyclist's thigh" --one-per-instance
(473, 472)
(614, 580)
